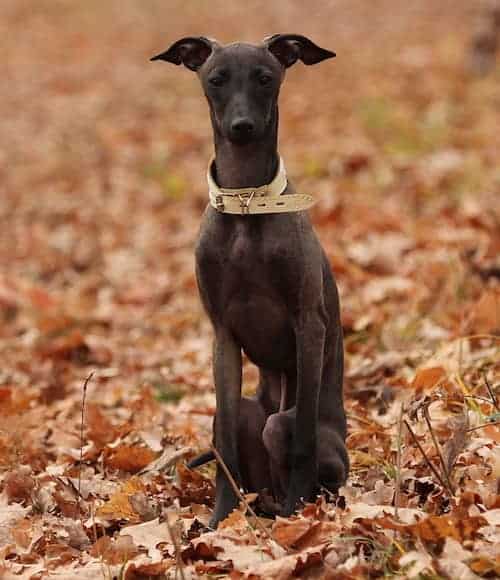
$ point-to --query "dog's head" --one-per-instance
(241, 81)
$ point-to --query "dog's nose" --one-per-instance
(242, 127)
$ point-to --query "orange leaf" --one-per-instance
(100, 428)
(130, 458)
(485, 313)
(435, 528)
(236, 520)
(428, 378)
(119, 506)
(288, 532)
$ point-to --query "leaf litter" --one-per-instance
(96, 275)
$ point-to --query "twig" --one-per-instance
(178, 558)
(397, 493)
(85, 384)
(94, 526)
(460, 356)
(427, 460)
(479, 398)
(438, 450)
(236, 490)
(478, 335)
(482, 425)
(490, 391)
(361, 419)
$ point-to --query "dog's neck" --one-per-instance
(251, 165)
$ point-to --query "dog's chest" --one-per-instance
(241, 278)
(251, 249)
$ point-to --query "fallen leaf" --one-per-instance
(118, 507)
(148, 535)
(455, 445)
(289, 532)
(485, 313)
(116, 551)
(129, 458)
(428, 378)
(9, 516)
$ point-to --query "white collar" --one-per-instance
(249, 200)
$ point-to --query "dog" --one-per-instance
(263, 277)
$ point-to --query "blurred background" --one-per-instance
(102, 177)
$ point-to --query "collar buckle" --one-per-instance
(219, 203)
(245, 200)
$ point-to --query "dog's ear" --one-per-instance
(289, 48)
(191, 51)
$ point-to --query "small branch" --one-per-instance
(460, 356)
(360, 419)
(490, 391)
(94, 526)
(438, 450)
(493, 337)
(179, 564)
(236, 490)
(397, 492)
(427, 460)
(482, 426)
(479, 398)
(85, 384)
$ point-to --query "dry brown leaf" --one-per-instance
(9, 516)
(236, 520)
(320, 533)
(455, 445)
(22, 533)
(436, 528)
(141, 567)
(149, 535)
(360, 510)
(428, 378)
(118, 507)
(452, 561)
(19, 484)
(493, 432)
(485, 313)
(285, 567)
(129, 458)
(14, 401)
(485, 567)
(116, 551)
(288, 532)
(193, 486)
(100, 430)
(169, 457)
(71, 347)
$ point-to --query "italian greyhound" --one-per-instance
(263, 277)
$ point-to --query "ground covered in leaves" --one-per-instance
(102, 165)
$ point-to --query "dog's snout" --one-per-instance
(242, 128)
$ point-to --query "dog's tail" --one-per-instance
(201, 459)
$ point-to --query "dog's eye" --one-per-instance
(217, 81)
(265, 80)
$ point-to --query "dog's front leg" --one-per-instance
(310, 339)
(227, 377)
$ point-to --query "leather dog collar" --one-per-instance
(257, 200)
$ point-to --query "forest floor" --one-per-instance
(102, 162)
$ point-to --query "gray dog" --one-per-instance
(265, 283)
